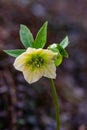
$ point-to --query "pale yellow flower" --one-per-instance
(35, 63)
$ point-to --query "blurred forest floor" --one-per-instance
(30, 107)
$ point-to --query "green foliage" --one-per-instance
(58, 61)
(54, 48)
(26, 36)
(62, 51)
(41, 37)
(27, 40)
(14, 53)
(64, 43)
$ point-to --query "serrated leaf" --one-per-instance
(41, 37)
(26, 36)
(14, 53)
(64, 43)
(62, 51)
(58, 61)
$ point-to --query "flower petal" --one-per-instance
(30, 49)
(34, 70)
(32, 76)
(50, 71)
(20, 61)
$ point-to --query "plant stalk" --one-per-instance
(56, 103)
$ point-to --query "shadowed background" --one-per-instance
(30, 107)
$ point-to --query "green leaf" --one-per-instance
(41, 37)
(58, 61)
(26, 36)
(64, 43)
(62, 51)
(14, 53)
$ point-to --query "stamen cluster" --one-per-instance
(36, 61)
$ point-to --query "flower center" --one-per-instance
(37, 61)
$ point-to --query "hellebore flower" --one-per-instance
(35, 63)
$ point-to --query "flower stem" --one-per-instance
(56, 103)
